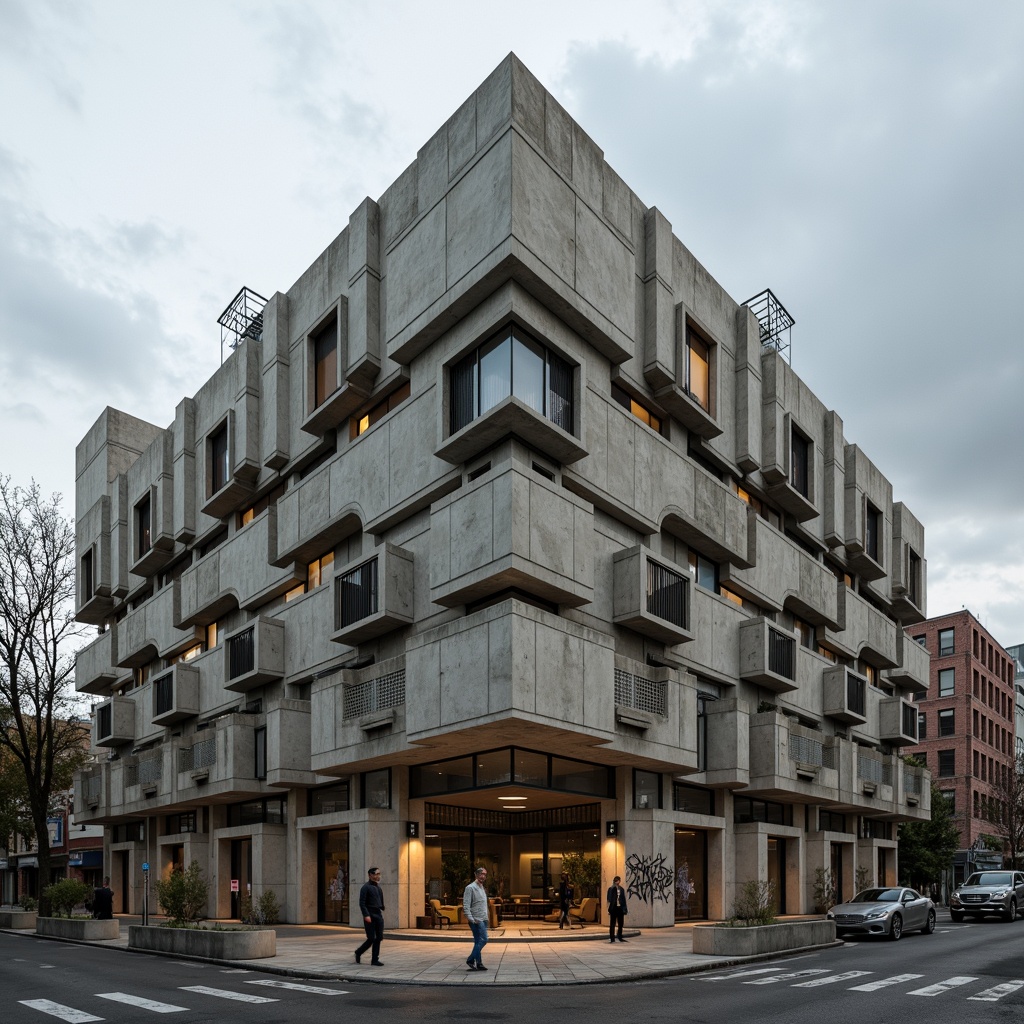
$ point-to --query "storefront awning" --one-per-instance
(28, 862)
(85, 859)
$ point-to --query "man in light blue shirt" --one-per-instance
(475, 907)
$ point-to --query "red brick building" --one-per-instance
(966, 723)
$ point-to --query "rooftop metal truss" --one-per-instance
(242, 319)
(775, 322)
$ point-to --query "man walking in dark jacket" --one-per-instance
(103, 901)
(371, 906)
(617, 909)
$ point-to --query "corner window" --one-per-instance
(946, 682)
(143, 527)
(698, 369)
(324, 345)
(87, 576)
(947, 722)
(377, 788)
(217, 452)
(511, 363)
(640, 411)
(945, 642)
(872, 532)
(799, 467)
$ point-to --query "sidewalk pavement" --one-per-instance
(325, 952)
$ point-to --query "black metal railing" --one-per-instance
(357, 594)
(856, 694)
(666, 594)
(163, 689)
(781, 654)
(241, 654)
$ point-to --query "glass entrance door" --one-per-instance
(777, 871)
(691, 875)
(333, 876)
(241, 871)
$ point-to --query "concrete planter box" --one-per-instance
(17, 919)
(254, 944)
(721, 940)
(85, 929)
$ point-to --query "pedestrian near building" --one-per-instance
(565, 896)
(103, 901)
(371, 906)
(617, 909)
(475, 907)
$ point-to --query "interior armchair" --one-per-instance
(586, 912)
(444, 915)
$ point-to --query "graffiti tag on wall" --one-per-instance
(649, 878)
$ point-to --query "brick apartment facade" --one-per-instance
(966, 721)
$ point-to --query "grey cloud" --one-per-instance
(43, 33)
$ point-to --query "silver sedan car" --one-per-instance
(887, 911)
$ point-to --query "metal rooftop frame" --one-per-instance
(243, 318)
(775, 322)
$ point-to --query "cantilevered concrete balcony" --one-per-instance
(94, 665)
(651, 595)
(373, 595)
(114, 724)
(254, 654)
(768, 655)
(175, 694)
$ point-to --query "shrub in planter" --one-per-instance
(184, 895)
(65, 895)
(755, 903)
(28, 903)
(264, 910)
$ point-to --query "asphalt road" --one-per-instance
(963, 973)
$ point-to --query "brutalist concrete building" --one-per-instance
(503, 536)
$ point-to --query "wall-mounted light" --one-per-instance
(611, 829)
(412, 829)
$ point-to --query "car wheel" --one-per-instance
(896, 927)
(1011, 911)
(956, 915)
(930, 926)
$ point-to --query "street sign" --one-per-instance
(234, 885)
(145, 865)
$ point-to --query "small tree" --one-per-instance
(755, 903)
(824, 890)
(584, 872)
(65, 895)
(926, 848)
(1004, 810)
(183, 895)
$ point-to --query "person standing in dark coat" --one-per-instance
(565, 897)
(371, 906)
(103, 901)
(617, 909)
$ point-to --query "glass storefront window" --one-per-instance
(329, 799)
(692, 799)
(334, 884)
(377, 788)
(441, 777)
(646, 789)
(691, 875)
(580, 777)
(531, 768)
(494, 768)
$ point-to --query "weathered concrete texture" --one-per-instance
(722, 940)
(84, 929)
(17, 918)
(250, 944)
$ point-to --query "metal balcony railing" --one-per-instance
(856, 694)
(387, 691)
(641, 694)
(241, 654)
(163, 689)
(781, 654)
(357, 594)
(666, 594)
(871, 769)
(200, 755)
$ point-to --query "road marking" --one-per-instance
(994, 994)
(832, 979)
(896, 979)
(235, 970)
(46, 967)
(942, 986)
(299, 988)
(787, 977)
(142, 1004)
(739, 974)
(223, 993)
(67, 1013)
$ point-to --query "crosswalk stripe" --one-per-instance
(223, 993)
(786, 977)
(942, 986)
(896, 979)
(65, 1013)
(299, 988)
(739, 974)
(142, 1004)
(994, 994)
(832, 979)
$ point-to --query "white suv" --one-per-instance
(989, 892)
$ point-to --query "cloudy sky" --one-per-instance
(863, 158)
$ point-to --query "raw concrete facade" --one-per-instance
(640, 544)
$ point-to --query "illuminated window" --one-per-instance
(766, 512)
(193, 652)
(641, 412)
(325, 361)
(731, 596)
(698, 369)
(295, 592)
(246, 517)
(318, 570)
(360, 424)
(869, 672)
(808, 637)
(213, 631)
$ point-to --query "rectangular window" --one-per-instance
(830, 821)
(799, 468)
(946, 682)
(87, 577)
(143, 527)
(947, 722)
(703, 571)
(637, 409)
(646, 789)
(692, 800)
(360, 424)
(377, 788)
(947, 763)
(218, 454)
(922, 640)
(873, 533)
(698, 369)
(913, 577)
(318, 571)
(945, 642)
(949, 795)
(329, 799)
(260, 744)
(922, 726)
(325, 361)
